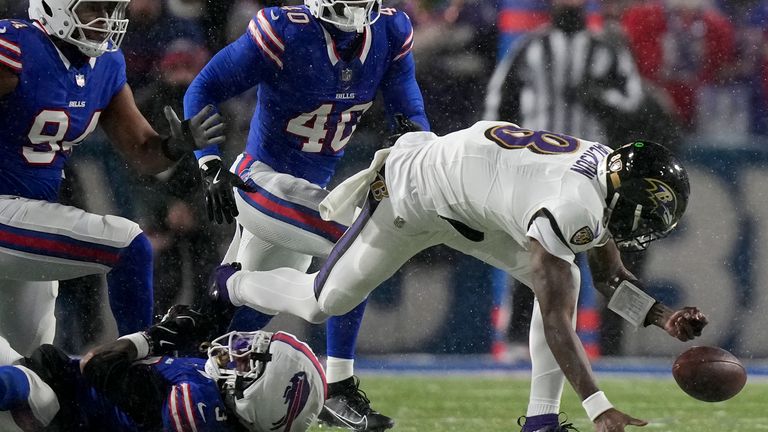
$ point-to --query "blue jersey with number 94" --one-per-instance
(310, 96)
(54, 107)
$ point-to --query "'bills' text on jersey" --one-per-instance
(54, 107)
(311, 97)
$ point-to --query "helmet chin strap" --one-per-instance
(609, 210)
(636, 221)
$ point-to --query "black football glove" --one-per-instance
(403, 125)
(219, 191)
(181, 329)
(202, 130)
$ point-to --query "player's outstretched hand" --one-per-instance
(202, 130)
(219, 191)
(614, 420)
(685, 323)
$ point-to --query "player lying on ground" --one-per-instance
(524, 201)
(251, 381)
(62, 74)
(317, 68)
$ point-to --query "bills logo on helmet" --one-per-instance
(664, 199)
(295, 396)
(583, 236)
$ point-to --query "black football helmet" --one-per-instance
(647, 193)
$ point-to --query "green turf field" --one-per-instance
(487, 404)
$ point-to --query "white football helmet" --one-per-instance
(270, 381)
(348, 15)
(94, 26)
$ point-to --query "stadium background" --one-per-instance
(442, 302)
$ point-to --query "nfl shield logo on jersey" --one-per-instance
(80, 80)
(346, 75)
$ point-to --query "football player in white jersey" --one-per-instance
(524, 201)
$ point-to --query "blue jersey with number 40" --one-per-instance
(54, 107)
(310, 96)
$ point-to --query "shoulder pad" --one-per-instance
(400, 31)
(267, 29)
(11, 46)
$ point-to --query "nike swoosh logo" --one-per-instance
(3, 30)
(201, 408)
(363, 421)
(162, 342)
(216, 179)
(274, 16)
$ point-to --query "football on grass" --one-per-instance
(709, 374)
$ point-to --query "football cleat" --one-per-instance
(564, 426)
(348, 407)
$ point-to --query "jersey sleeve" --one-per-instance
(120, 75)
(11, 44)
(193, 406)
(400, 90)
(239, 66)
(565, 228)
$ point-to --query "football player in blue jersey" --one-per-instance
(251, 381)
(317, 68)
(62, 74)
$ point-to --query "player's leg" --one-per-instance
(283, 217)
(256, 254)
(26, 401)
(547, 379)
(27, 317)
(43, 241)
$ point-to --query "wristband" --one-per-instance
(595, 405)
(207, 158)
(141, 341)
(631, 303)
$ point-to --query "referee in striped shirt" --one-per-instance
(564, 78)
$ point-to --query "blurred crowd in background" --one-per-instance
(703, 65)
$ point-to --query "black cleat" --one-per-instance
(348, 407)
(564, 426)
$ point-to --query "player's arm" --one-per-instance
(142, 146)
(134, 387)
(233, 70)
(8, 81)
(132, 134)
(608, 273)
(238, 67)
(554, 287)
(399, 88)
